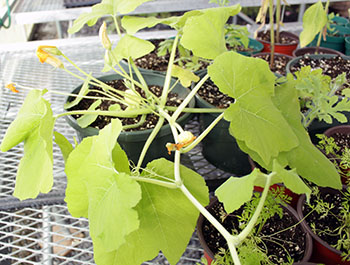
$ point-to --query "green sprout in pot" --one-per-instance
(135, 211)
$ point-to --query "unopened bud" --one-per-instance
(106, 43)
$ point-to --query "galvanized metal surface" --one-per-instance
(41, 231)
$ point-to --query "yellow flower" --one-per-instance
(46, 54)
(12, 87)
(106, 43)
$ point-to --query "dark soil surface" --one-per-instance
(102, 121)
(152, 61)
(325, 222)
(211, 94)
(330, 66)
(292, 239)
(280, 62)
(284, 39)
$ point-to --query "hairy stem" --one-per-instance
(158, 182)
(272, 34)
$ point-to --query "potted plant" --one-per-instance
(321, 29)
(326, 219)
(277, 237)
(135, 211)
(278, 46)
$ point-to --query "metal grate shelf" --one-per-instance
(41, 231)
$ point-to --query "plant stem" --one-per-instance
(324, 29)
(122, 114)
(196, 110)
(117, 26)
(168, 73)
(158, 182)
(278, 18)
(150, 139)
(246, 231)
(189, 97)
(139, 123)
(272, 34)
(203, 134)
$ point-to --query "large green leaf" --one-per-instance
(309, 162)
(107, 7)
(128, 47)
(134, 24)
(91, 18)
(33, 125)
(204, 34)
(314, 19)
(236, 191)
(28, 118)
(98, 190)
(125, 6)
(167, 219)
(253, 117)
(110, 209)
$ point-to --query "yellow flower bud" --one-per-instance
(106, 43)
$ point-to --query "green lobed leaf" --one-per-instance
(204, 34)
(314, 19)
(134, 24)
(125, 6)
(167, 219)
(253, 117)
(83, 162)
(86, 119)
(291, 179)
(97, 11)
(65, 146)
(242, 188)
(185, 76)
(33, 125)
(111, 217)
(28, 118)
(128, 47)
(309, 162)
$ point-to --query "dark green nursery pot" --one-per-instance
(219, 147)
(256, 47)
(133, 142)
(334, 42)
(347, 45)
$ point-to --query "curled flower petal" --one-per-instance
(12, 87)
(106, 43)
(46, 54)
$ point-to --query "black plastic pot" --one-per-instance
(322, 251)
(209, 255)
(312, 50)
(133, 142)
(219, 147)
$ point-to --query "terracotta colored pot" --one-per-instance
(282, 48)
(322, 251)
(312, 50)
(209, 255)
(343, 129)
